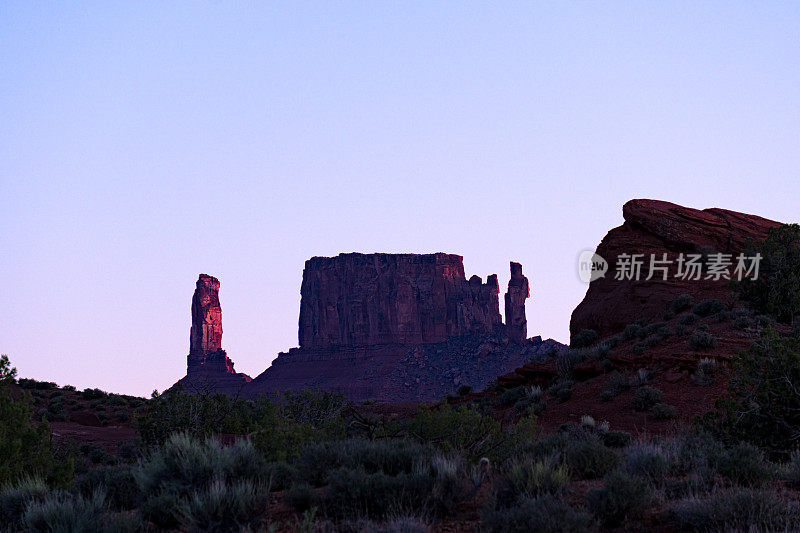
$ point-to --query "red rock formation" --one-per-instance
(401, 327)
(391, 327)
(655, 227)
(371, 299)
(518, 292)
(208, 367)
(205, 335)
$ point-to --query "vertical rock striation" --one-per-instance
(370, 299)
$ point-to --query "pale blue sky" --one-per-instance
(142, 143)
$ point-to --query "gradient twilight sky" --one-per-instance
(142, 143)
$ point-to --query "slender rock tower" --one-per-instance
(518, 292)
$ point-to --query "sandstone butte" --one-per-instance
(407, 327)
(388, 327)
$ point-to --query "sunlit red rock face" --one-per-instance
(358, 299)
(208, 368)
(401, 327)
(656, 227)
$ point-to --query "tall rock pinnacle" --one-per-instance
(518, 292)
(205, 335)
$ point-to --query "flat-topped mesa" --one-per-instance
(373, 299)
(518, 292)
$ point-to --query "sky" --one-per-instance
(142, 143)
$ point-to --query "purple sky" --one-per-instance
(143, 143)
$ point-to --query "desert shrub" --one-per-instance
(300, 418)
(567, 359)
(588, 458)
(199, 415)
(583, 338)
(170, 475)
(622, 495)
(26, 450)
(736, 509)
(117, 483)
(64, 512)
(681, 303)
(616, 438)
(280, 475)
(646, 397)
(225, 506)
(776, 292)
(122, 416)
(656, 328)
(14, 499)
(532, 399)
(708, 308)
(545, 513)
(433, 486)
(518, 439)
(129, 450)
(631, 331)
(302, 497)
(116, 400)
(694, 452)
(640, 377)
(741, 322)
(392, 457)
(526, 477)
(706, 370)
(702, 340)
(645, 460)
(792, 469)
(564, 394)
(462, 429)
(163, 508)
(688, 319)
(744, 464)
(639, 348)
(69, 388)
(463, 390)
(764, 321)
(763, 407)
(93, 394)
(27, 383)
(102, 416)
(96, 454)
(616, 384)
(512, 396)
(663, 411)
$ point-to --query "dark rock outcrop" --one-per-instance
(656, 227)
